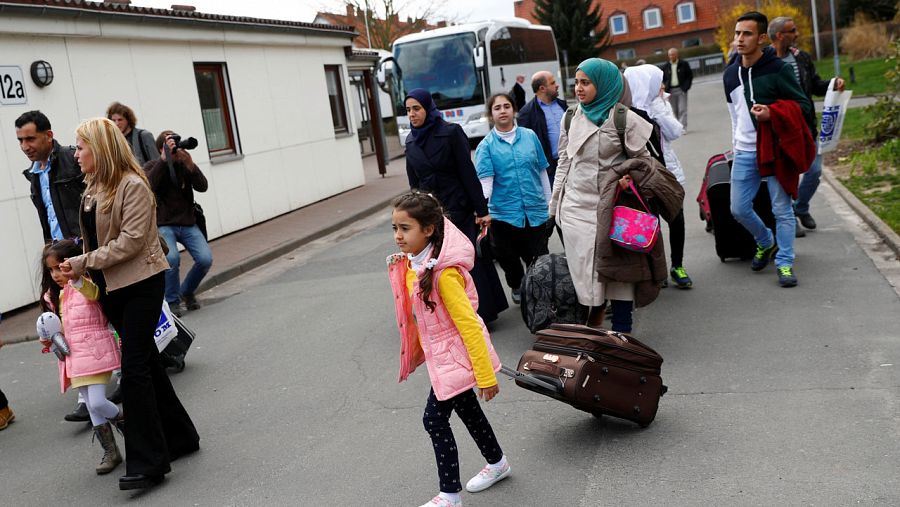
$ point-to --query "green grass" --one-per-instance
(870, 78)
(875, 180)
(855, 123)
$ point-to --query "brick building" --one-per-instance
(356, 19)
(646, 27)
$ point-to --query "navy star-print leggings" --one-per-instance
(437, 423)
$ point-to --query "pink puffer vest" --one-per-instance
(441, 347)
(93, 347)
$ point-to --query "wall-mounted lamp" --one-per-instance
(41, 73)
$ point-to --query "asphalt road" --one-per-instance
(777, 396)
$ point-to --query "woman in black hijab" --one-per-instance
(438, 161)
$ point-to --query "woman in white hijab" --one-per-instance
(648, 94)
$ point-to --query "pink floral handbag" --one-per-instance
(633, 229)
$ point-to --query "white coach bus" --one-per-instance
(465, 64)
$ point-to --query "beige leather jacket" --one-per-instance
(130, 249)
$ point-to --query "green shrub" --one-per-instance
(886, 112)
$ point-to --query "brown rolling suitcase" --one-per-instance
(598, 371)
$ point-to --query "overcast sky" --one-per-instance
(305, 10)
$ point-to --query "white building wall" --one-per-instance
(291, 154)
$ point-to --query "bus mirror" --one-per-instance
(478, 55)
(384, 73)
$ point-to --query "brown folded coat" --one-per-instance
(665, 196)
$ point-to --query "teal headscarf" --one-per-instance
(608, 81)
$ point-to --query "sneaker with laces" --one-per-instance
(516, 295)
(763, 256)
(681, 278)
(487, 477)
(786, 277)
(440, 501)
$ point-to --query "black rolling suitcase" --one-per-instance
(732, 239)
(594, 370)
(173, 355)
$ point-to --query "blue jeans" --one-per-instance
(808, 186)
(196, 245)
(745, 181)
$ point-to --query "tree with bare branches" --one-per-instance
(383, 24)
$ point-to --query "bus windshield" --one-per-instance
(444, 66)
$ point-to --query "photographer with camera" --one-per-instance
(174, 178)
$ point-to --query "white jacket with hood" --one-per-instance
(645, 82)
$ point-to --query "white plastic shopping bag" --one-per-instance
(833, 117)
(165, 329)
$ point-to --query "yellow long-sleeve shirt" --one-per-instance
(452, 289)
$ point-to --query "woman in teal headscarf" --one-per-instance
(588, 147)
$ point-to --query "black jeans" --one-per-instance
(437, 423)
(3, 401)
(676, 239)
(515, 245)
(158, 429)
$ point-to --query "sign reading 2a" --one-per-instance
(12, 85)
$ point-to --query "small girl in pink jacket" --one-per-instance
(436, 307)
(93, 351)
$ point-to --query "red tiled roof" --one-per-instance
(706, 13)
(115, 8)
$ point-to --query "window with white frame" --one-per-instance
(685, 12)
(625, 54)
(618, 24)
(652, 18)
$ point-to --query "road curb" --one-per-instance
(890, 238)
(259, 259)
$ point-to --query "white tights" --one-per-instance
(100, 409)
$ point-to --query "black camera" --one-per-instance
(188, 144)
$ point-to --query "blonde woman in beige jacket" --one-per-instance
(123, 254)
(587, 149)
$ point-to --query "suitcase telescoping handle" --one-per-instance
(528, 379)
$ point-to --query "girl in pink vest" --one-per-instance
(93, 351)
(436, 307)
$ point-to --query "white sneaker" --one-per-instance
(440, 501)
(487, 477)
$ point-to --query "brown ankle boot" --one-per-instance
(6, 416)
(111, 457)
(596, 315)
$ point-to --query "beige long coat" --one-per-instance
(586, 152)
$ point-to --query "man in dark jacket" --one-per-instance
(677, 84)
(56, 187)
(56, 178)
(783, 34)
(518, 93)
(174, 189)
(543, 114)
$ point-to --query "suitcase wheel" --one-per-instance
(722, 259)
